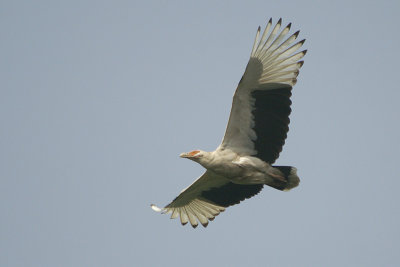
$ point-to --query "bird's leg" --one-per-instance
(277, 177)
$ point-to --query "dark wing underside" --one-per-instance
(231, 194)
(271, 112)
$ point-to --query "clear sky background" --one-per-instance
(98, 99)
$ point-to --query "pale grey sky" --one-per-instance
(98, 99)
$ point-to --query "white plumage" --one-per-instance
(254, 137)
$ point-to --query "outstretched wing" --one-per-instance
(259, 119)
(206, 198)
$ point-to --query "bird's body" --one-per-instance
(240, 169)
(254, 137)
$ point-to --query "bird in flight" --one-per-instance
(257, 128)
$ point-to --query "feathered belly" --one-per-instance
(244, 170)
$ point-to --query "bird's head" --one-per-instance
(202, 157)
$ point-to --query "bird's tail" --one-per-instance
(290, 179)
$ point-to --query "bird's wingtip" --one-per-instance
(155, 208)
